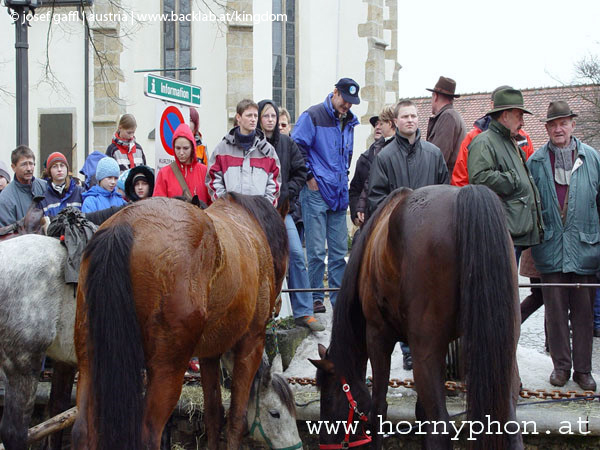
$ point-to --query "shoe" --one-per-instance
(318, 307)
(194, 365)
(596, 332)
(559, 377)
(585, 381)
(407, 361)
(310, 322)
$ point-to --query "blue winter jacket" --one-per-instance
(98, 198)
(575, 246)
(327, 150)
(53, 203)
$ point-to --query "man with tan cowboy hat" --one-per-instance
(446, 128)
(496, 160)
(567, 174)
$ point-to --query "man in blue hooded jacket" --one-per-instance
(325, 135)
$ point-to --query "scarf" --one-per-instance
(563, 162)
(125, 147)
(244, 141)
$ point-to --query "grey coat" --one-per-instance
(16, 199)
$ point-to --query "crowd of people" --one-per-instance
(551, 196)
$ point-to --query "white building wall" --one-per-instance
(327, 42)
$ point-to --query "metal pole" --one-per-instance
(22, 84)
(86, 84)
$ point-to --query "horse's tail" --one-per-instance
(488, 307)
(117, 355)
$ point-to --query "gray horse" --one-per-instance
(37, 314)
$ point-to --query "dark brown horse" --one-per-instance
(161, 281)
(32, 223)
(429, 266)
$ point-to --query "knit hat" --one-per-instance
(107, 167)
(4, 171)
(55, 158)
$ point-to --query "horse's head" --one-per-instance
(34, 219)
(272, 412)
(337, 394)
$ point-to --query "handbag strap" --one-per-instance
(184, 187)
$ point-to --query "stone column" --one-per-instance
(240, 41)
(107, 104)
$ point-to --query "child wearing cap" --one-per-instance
(139, 183)
(61, 190)
(103, 195)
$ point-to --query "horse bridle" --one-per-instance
(366, 439)
(257, 425)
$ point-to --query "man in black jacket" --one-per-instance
(406, 161)
(293, 178)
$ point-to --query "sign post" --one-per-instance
(172, 109)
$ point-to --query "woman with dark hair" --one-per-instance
(195, 127)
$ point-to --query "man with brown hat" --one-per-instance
(446, 128)
(496, 160)
(569, 252)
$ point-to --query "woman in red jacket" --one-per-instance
(193, 174)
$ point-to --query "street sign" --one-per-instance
(171, 90)
(169, 121)
(168, 117)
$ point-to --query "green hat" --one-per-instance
(508, 99)
(558, 110)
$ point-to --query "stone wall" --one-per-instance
(107, 104)
(240, 73)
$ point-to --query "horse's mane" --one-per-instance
(279, 384)
(348, 335)
(272, 225)
(99, 217)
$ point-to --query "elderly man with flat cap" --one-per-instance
(446, 128)
(567, 174)
(496, 161)
(324, 134)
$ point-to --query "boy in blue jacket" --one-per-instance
(104, 194)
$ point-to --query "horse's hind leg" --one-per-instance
(162, 392)
(380, 350)
(429, 373)
(213, 407)
(63, 376)
(19, 400)
(248, 355)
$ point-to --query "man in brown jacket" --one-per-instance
(446, 128)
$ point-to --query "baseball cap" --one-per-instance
(349, 90)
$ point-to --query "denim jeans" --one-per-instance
(320, 224)
(302, 302)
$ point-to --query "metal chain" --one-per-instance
(458, 386)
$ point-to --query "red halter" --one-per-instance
(366, 439)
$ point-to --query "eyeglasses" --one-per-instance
(283, 125)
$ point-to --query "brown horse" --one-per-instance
(160, 281)
(430, 265)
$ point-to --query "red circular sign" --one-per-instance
(169, 121)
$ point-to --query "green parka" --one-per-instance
(572, 247)
(496, 161)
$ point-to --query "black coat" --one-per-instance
(360, 181)
(293, 167)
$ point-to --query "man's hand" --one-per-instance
(360, 219)
(312, 184)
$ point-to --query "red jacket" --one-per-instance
(194, 174)
(460, 175)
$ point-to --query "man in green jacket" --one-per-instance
(497, 161)
(567, 174)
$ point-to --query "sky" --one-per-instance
(485, 44)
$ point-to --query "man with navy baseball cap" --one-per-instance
(325, 135)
